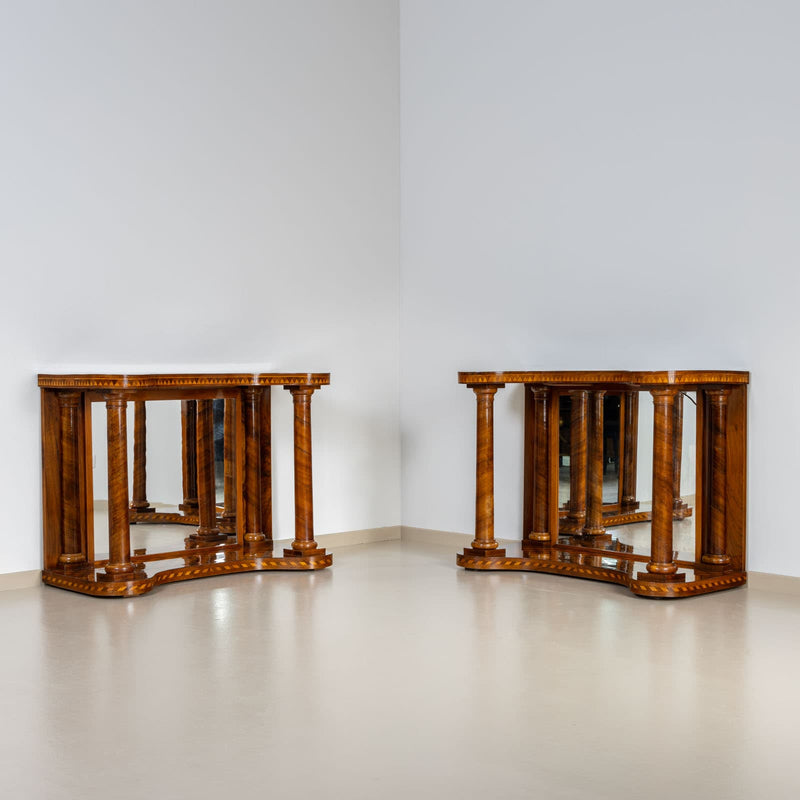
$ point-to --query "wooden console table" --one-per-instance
(588, 549)
(239, 541)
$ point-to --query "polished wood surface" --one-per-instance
(589, 550)
(601, 378)
(484, 471)
(236, 537)
(594, 459)
(181, 380)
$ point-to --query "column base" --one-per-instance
(716, 560)
(681, 510)
(208, 536)
(191, 506)
(483, 552)
(290, 552)
(136, 572)
(593, 532)
(661, 577)
(142, 508)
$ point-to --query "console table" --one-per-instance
(588, 548)
(240, 540)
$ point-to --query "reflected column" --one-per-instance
(189, 455)
(680, 510)
(594, 467)
(630, 445)
(208, 531)
(139, 503)
(229, 462)
(576, 515)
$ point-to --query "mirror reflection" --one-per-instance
(627, 464)
(163, 474)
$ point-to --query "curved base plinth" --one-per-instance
(193, 563)
(693, 580)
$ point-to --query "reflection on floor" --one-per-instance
(398, 675)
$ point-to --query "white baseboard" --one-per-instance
(20, 580)
(450, 538)
(33, 577)
(770, 582)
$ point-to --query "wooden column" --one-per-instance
(594, 466)
(72, 552)
(208, 530)
(541, 489)
(661, 562)
(139, 502)
(484, 541)
(630, 446)
(576, 515)
(303, 543)
(189, 454)
(266, 464)
(679, 509)
(229, 466)
(715, 541)
(251, 411)
(119, 567)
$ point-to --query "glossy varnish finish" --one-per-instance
(232, 542)
(588, 552)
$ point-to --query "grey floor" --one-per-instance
(397, 675)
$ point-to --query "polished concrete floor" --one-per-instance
(397, 675)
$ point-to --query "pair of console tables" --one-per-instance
(240, 540)
(578, 541)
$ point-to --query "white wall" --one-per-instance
(204, 184)
(597, 185)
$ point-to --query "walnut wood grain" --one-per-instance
(266, 464)
(119, 566)
(680, 510)
(71, 545)
(303, 492)
(139, 501)
(661, 554)
(594, 466)
(207, 530)
(189, 455)
(182, 380)
(229, 461)
(484, 469)
(716, 549)
(252, 397)
(630, 449)
(541, 466)
(601, 378)
(576, 514)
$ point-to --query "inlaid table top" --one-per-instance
(571, 378)
(183, 380)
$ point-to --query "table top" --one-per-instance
(184, 380)
(606, 377)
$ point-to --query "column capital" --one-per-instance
(300, 391)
